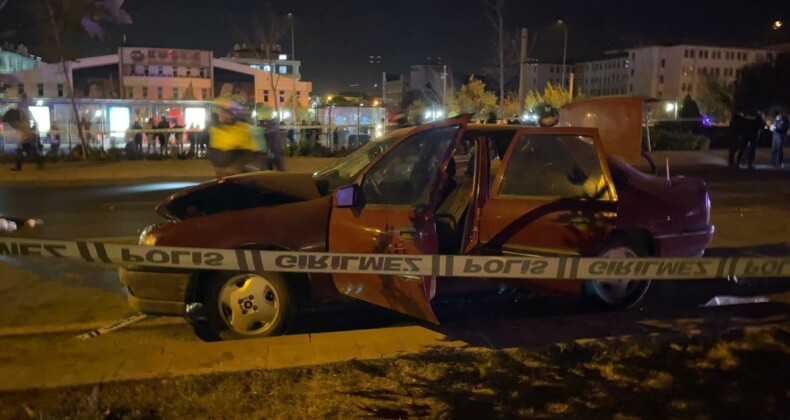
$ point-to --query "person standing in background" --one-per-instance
(779, 129)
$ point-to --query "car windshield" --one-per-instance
(345, 170)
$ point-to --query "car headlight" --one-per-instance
(146, 237)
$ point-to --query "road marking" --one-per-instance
(10, 332)
(115, 326)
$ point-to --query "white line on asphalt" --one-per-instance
(9, 332)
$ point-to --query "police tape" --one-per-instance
(561, 268)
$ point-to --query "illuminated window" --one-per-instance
(283, 69)
(120, 120)
(267, 68)
(40, 115)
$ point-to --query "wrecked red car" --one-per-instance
(444, 188)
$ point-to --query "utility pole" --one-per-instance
(384, 89)
(522, 79)
(570, 87)
(293, 46)
(444, 89)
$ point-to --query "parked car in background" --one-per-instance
(449, 187)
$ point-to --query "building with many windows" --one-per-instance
(664, 72)
(158, 74)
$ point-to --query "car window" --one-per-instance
(405, 174)
(554, 165)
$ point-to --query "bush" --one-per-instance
(674, 140)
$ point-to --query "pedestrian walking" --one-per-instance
(779, 129)
(290, 135)
(271, 136)
(232, 145)
(27, 139)
(335, 138)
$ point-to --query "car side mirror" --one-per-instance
(347, 196)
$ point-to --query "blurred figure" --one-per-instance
(161, 136)
(138, 136)
(548, 116)
(54, 142)
(737, 128)
(232, 144)
(779, 129)
(752, 126)
(271, 136)
(27, 141)
(192, 137)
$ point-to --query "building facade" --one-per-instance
(540, 74)
(667, 73)
(14, 59)
(158, 74)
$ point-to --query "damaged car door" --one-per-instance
(389, 210)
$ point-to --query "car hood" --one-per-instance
(239, 192)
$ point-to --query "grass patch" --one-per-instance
(740, 375)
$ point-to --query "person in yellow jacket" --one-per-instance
(232, 144)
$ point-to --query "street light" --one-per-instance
(564, 49)
(293, 47)
(777, 25)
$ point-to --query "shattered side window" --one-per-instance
(405, 175)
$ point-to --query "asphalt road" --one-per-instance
(750, 208)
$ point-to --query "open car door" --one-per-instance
(392, 212)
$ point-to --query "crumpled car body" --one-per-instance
(449, 187)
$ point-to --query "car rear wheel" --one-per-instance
(245, 305)
(620, 293)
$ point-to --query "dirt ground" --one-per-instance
(678, 377)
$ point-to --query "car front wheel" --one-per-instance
(245, 305)
(620, 293)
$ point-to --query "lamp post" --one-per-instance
(293, 47)
(564, 49)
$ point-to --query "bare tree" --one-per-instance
(494, 14)
(268, 32)
(57, 19)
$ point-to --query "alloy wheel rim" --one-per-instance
(613, 291)
(249, 304)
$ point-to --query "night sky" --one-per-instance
(335, 38)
